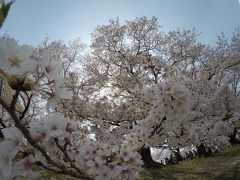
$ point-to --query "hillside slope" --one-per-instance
(222, 165)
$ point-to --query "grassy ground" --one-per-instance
(224, 165)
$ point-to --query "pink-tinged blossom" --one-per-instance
(6, 157)
(100, 159)
(126, 153)
(38, 132)
(172, 100)
(51, 68)
(55, 98)
(24, 166)
(110, 164)
(93, 167)
(114, 171)
(14, 138)
(55, 125)
(106, 173)
(15, 59)
(53, 150)
(13, 134)
(132, 140)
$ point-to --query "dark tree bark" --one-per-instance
(178, 155)
(147, 158)
(202, 150)
(1, 134)
(232, 137)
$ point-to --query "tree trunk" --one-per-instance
(178, 155)
(232, 137)
(1, 134)
(203, 150)
(147, 158)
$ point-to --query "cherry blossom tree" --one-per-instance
(138, 88)
(51, 139)
(130, 58)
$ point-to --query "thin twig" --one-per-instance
(39, 163)
(67, 156)
(26, 107)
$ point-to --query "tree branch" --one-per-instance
(67, 156)
(24, 130)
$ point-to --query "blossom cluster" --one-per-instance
(169, 103)
(109, 161)
(171, 99)
(60, 137)
(10, 165)
(102, 161)
(17, 61)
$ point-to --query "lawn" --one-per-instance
(222, 165)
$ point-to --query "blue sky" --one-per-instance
(30, 21)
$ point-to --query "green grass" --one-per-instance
(224, 165)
